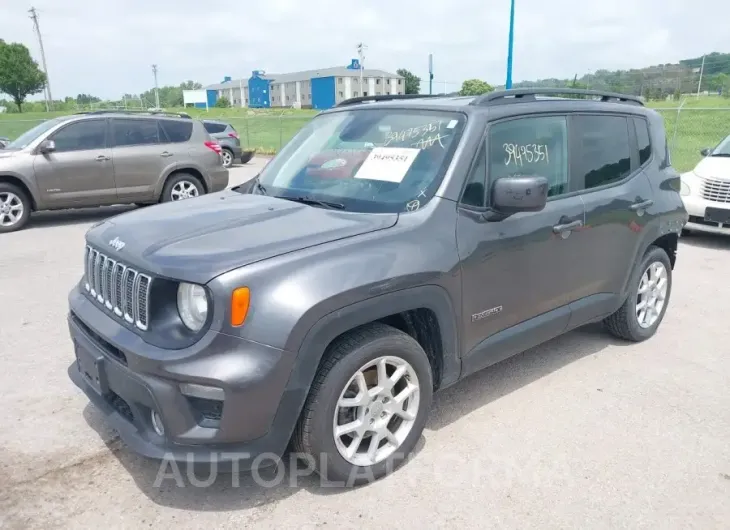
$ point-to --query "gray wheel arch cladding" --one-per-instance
(313, 345)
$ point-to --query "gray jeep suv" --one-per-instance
(102, 158)
(393, 247)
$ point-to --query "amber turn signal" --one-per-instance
(239, 305)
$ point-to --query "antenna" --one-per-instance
(47, 88)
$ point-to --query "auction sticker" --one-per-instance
(389, 164)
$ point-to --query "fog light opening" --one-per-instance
(157, 423)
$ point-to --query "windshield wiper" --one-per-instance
(315, 202)
(721, 154)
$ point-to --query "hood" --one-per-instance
(713, 167)
(198, 239)
(7, 153)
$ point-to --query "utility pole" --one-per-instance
(157, 91)
(510, 44)
(361, 47)
(47, 88)
(702, 70)
(430, 73)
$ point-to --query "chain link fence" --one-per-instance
(689, 129)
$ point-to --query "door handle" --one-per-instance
(641, 205)
(102, 158)
(165, 154)
(567, 227)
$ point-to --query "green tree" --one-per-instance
(19, 73)
(222, 103)
(475, 87)
(412, 81)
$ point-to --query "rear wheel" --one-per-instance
(227, 156)
(182, 186)
(367, 407)
(15, 208)
(642, 312)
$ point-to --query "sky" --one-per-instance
(106, 47)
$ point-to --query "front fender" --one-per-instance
(310, 343)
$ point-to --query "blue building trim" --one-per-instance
(212, 97)
(323, 92)
(259, 91)
(199, 105)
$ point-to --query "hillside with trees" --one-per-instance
(660, 82)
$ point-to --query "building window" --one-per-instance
(365, 94)
(342, 94)
(287, 98)
(377, 81)
(355, 94)
(400, 81)
(339, 80)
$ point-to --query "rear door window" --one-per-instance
(177, 131)
(128, 132)
(602, 151)
(214, 128)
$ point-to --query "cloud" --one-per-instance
(107, 48)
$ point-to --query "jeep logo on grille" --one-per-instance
(117, 244)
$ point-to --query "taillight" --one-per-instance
(213, 146)
(233, 134)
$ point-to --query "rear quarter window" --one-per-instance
(177, 131)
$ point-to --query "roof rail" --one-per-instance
(133, 112)
(384, 97)
(521, 95)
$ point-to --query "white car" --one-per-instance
(706, 191)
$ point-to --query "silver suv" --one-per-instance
(103, 158)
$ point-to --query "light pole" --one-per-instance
(157, 91)
(510, 44)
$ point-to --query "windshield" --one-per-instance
(366, 160)
(723, 149)
(27, 137)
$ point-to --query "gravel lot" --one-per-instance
(583, 432)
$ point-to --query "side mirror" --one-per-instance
(706, 151)
(519, 194)
(47, 146)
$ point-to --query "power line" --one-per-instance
(47, 88)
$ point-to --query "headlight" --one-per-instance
(192, 304)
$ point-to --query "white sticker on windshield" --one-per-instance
(452, 124)
(389, 164)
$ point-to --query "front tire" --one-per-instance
(639, 317)
(182, 186)
(367, 407)
(15, 208)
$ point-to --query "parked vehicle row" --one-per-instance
(388, 251)
(103, 158)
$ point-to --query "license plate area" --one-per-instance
(717, 215)
(91, 367)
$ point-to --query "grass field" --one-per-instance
(702, 122)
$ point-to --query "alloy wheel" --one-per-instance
(184, 190)
(652, 294)
(11, 208)
(376, 411)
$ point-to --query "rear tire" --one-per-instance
(390, 421)
(182, 186)
(227, 156)
(653, 277)
(15, 207)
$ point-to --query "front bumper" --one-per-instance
(697, 208)
(127, 379)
